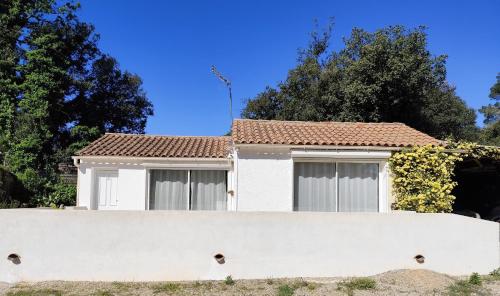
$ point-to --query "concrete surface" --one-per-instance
(161, 245)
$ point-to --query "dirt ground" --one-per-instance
(400, 282)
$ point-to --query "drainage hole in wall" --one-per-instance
(220, 258)
(14, 258)
(420, 259)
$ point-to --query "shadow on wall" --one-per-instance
(12, 192)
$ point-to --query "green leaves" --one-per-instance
(385, 76)
(422, 177)
(58, 92)
(490, 134)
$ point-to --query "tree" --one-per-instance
(58, 91)
(111, 89)
(490, 134)
(385, 76)
(491, 112)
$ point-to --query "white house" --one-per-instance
(263, 166)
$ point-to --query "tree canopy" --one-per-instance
(58, 91)
(385, 76)
(490, 135)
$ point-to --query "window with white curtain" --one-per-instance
(208, 190)
(188, 190)
(358, 187)
(336, 187)
(315, 185)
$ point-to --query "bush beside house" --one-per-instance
(12, 192)
(423, 176)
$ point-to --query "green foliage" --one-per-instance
(475, 279)
(461, 288)
(491, 112)
(475, 150)
(301, 283)
(423, 179)
(60, 194)
(166, 288)
(495, 273)
(357, 284)
(285, 290)
(385, 76)
(12, 191)
(490, 134)
(229, 280)
(79, 137)
(423, 176)
(58, 91)
(471, 286)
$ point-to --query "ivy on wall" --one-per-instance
(423, 176)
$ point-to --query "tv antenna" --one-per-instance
(228, 84)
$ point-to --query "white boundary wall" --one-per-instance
(77, 245)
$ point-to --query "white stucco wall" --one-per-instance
(131, 185)
(150, 246)
(84, 187)
(264, 179)
(265, 175)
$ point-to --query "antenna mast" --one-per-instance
(228, 84)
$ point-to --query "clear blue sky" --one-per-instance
(172, 44)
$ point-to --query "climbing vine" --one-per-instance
(423, 176)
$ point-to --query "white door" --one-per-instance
(106, 196)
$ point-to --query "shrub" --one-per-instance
(460, 288)
(301, 283)
(60, 194)
(229, 280)
(12, 192)
(285, 290)
(471, 286)
(423, 176)
(495, 273)
(357, 284)
(166, 288)
(475, 279)
(423, 179)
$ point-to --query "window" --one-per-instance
(188, 190)
(315, 186)
(332, 187)
(358, 187)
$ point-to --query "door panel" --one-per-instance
(106, 190)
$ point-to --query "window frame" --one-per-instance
(189, 191)
(382, 194)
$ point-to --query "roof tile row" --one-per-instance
(246, 131)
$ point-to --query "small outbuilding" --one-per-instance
(264, 165)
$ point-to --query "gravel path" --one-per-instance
(399, 282)
(4, 287)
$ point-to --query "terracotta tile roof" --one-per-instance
(158, 146)
(246, 131)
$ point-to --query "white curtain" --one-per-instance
(168, 190)
(208, 190)
(314, 187)
(358, 187)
